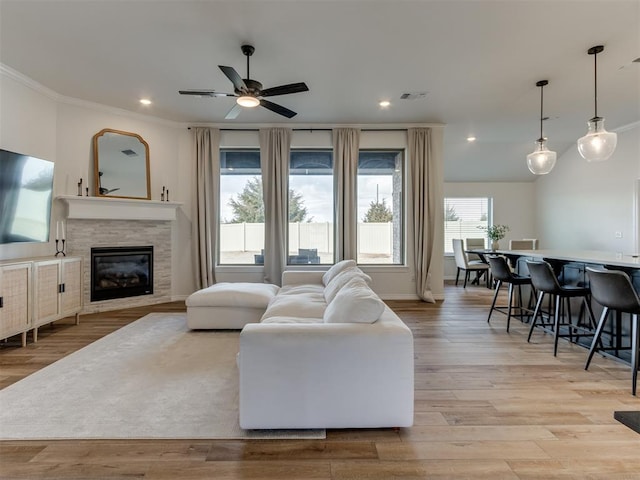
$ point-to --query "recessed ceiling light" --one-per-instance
(471, 139)
(384, 103)
(145, 101)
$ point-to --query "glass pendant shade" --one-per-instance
(542, 160)
(598, 144)
(248, 101)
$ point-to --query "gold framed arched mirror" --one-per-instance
(121, 165)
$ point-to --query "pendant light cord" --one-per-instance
(595, 51)
(595, 84)
(541, 139)
(541, 84)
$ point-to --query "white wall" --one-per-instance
(513, 205)
(581, 205)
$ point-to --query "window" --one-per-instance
(311, 207)
(241, 233)
(464, 218)
(380, 207)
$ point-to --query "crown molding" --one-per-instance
(627, 127)
(29, 82)
(76, 102)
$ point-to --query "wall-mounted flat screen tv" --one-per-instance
(26, 188)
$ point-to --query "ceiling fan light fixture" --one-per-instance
(598, 144)
(248, 101)
(542, 160)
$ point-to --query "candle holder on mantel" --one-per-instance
(60, 251)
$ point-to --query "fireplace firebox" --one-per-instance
(119, 272)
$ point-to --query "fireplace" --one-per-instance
(119, 272)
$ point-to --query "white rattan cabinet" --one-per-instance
(15, 299)
(57, 290)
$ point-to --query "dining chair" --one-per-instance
(545, 282)
(475, 244)
(463, 263)
(501, 273)
(528, 244)
(614, 291)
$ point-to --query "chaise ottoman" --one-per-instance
(228, 305)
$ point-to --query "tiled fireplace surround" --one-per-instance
(119, 231)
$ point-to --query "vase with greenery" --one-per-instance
(495, 234)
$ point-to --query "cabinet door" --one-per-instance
(71, 279)
(46, 281)
(15, 281)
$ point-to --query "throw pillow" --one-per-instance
(340, 280)
(336, 269)
(354, 303)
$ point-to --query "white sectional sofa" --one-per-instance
(327, 353)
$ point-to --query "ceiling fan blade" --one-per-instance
(279, 109)
(233, 113)
(285, 89)
(235, 78)
(205, 93)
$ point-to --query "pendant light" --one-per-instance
(542, 160)
(598, 144)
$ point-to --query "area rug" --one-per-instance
(152, 379)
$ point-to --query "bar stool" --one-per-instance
(544, 281)
(614, 291)
(502, 273)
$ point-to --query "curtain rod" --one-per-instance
(312, 129)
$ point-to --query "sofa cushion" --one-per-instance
(303, 305)
(227, 294)
(298, 289)
(291, 320)
(354, 303)
(336, 269)
(340, 280)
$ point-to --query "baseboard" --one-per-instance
(177, 298)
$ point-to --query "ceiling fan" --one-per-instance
(249, 92)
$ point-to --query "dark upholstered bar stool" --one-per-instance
(545, 282)
(614, 291)
(502, 274)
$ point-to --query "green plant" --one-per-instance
(496, 232)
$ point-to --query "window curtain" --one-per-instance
(206, 194)
(346, 146)
(423, 197)
(275, 144)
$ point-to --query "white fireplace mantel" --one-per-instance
(105, 208)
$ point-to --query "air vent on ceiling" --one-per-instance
(129, 153)
(414, 95)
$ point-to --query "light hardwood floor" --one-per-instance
(487, 406)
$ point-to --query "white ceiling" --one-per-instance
(478, 60)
